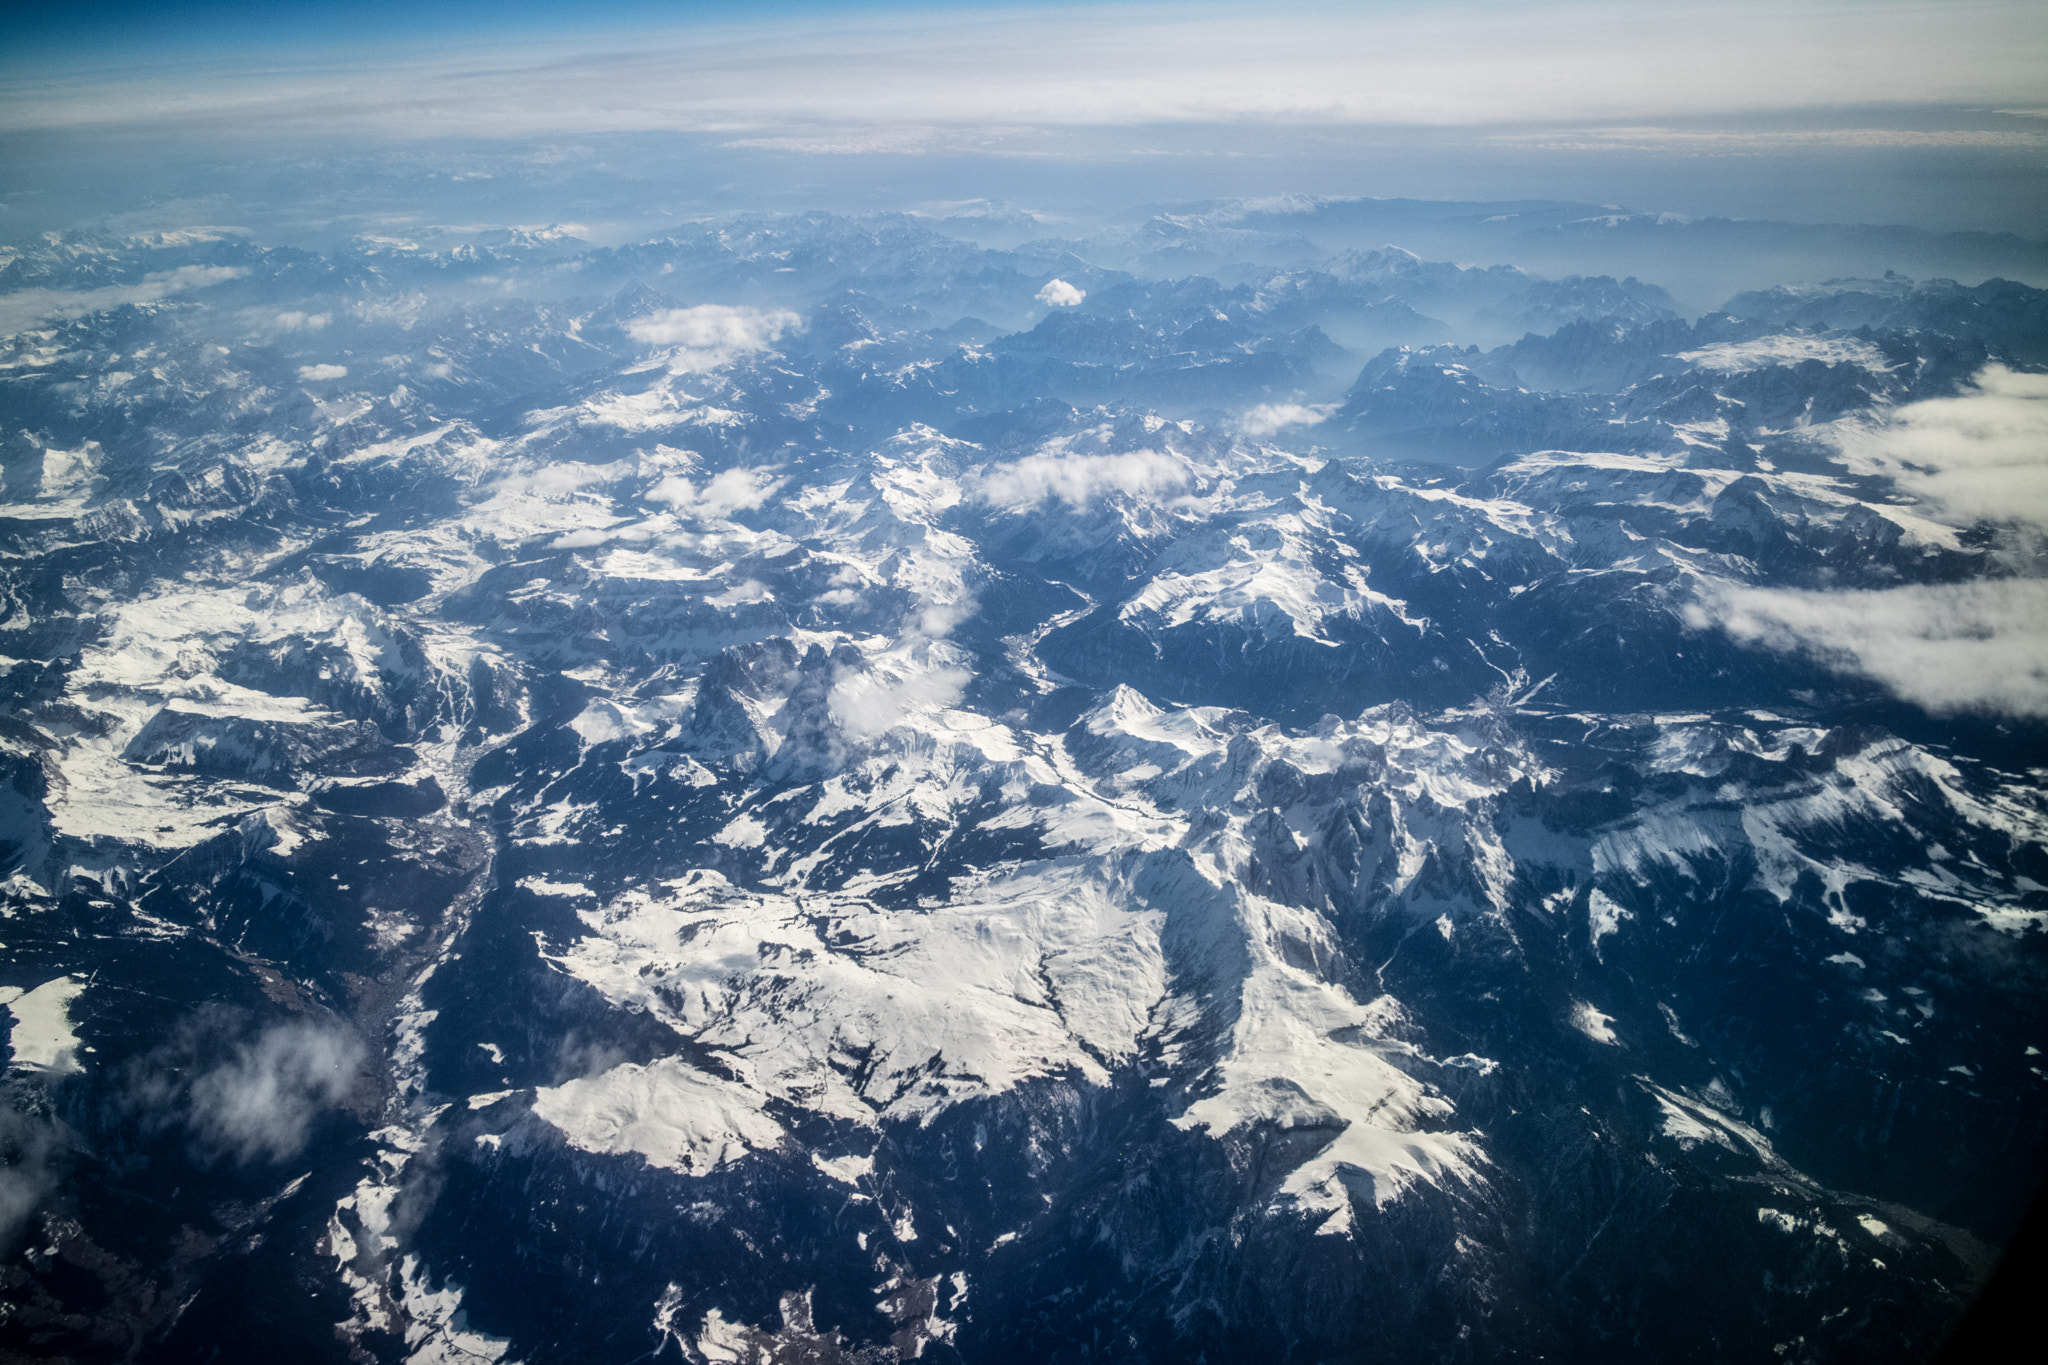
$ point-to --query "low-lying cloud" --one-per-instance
(24, 308)
(867, 704)
(1267, 418)
(729, 491)
(711, 335)
(1948, 647)
(1980, 456)
(262, 1103)
(921, 675)
(1077, 479)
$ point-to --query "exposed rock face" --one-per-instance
(854, 844)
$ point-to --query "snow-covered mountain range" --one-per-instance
(810, 790)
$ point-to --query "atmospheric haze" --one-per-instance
(852, 682)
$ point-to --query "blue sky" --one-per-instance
(90, 30)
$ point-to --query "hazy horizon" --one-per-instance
(158, 116)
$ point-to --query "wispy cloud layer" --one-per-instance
(24, 308)
(1398, 63)
(262, 1103)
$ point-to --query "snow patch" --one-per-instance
(671, 1113)
(41, 1033)
(1595, 1025)
(1790, 348)
(1603, 917)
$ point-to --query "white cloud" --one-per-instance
(937, 620)
(1060, 294)
(920, 674)
(199, 234)
(736, 490)
(313, 373)
(1980, 456)
(711, 334)
(741, 594)
(729, 491)
(564, 479)
(1267, 418)
(673, 489)
(293, 320)
(1947, 647)
(870, 704)
(261, 1104)
(1075, 479)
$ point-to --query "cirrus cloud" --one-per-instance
(850, 81)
